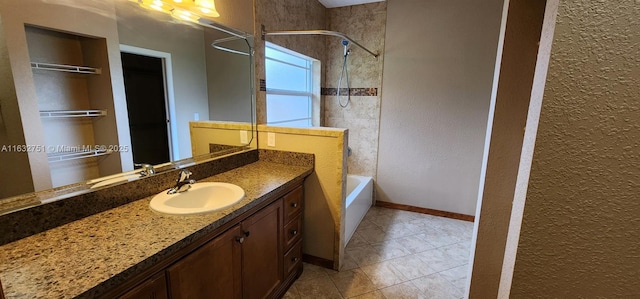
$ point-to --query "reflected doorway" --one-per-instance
(148, 104)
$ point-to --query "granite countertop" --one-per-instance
(32, 199)
(89, 256)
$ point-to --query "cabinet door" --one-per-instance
(153, 288)
(212, 271)
(262, 252)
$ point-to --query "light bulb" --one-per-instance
(207, 7)
(185, 15)
(156, 5)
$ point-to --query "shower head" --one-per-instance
(345, 43)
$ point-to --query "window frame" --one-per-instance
(312, 71)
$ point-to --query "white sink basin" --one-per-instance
(201, 198)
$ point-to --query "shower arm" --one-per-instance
(316, 32)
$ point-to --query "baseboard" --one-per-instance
(318, 261)
(433, 212)
(288, 282)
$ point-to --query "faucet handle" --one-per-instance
(184, 175)
(183, 183)
(147, 169)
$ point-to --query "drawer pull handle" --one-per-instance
(294, 232)
(294, 205)
(240, 239)
(294, 259)
(246, 234)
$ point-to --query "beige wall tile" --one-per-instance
(365, 24)
(287, 15)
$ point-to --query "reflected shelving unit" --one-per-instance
(72, 113)
(75, 104)
(75, 155)
(65, 68)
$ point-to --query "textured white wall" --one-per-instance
(579, 235)
(437, 79)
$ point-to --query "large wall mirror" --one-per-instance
(92, 89)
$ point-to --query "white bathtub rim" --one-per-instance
(356, 212)
(364, 181)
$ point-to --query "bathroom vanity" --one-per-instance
(237, 262)
(63, 235)
(250, 250)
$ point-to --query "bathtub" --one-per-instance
(359, 200)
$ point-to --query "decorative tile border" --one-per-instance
(330, 91)
(363, 92)
(263, 85)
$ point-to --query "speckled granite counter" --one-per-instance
(85, 258)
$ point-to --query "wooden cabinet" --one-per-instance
(215, 268)
(257, 255)
(293, 259)
(293, 203)
(262, 272)
(292, 241)
(243, 262)
(293, 232)
(153, 288)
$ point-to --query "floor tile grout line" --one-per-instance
(400, 225)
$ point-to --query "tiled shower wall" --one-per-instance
(278, 15)
(366, 25)
(363, 23)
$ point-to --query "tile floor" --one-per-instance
(395, 254)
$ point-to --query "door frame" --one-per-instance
(170, 103)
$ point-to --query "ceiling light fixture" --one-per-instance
(156, 5)
(184, 10)
(185, 15)
(207, 8)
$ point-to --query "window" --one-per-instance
(290, 87)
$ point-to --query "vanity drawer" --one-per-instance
(292, 232)
(293, 258)
(293, 204)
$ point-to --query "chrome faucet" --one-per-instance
(183, 183)
(147, 169)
